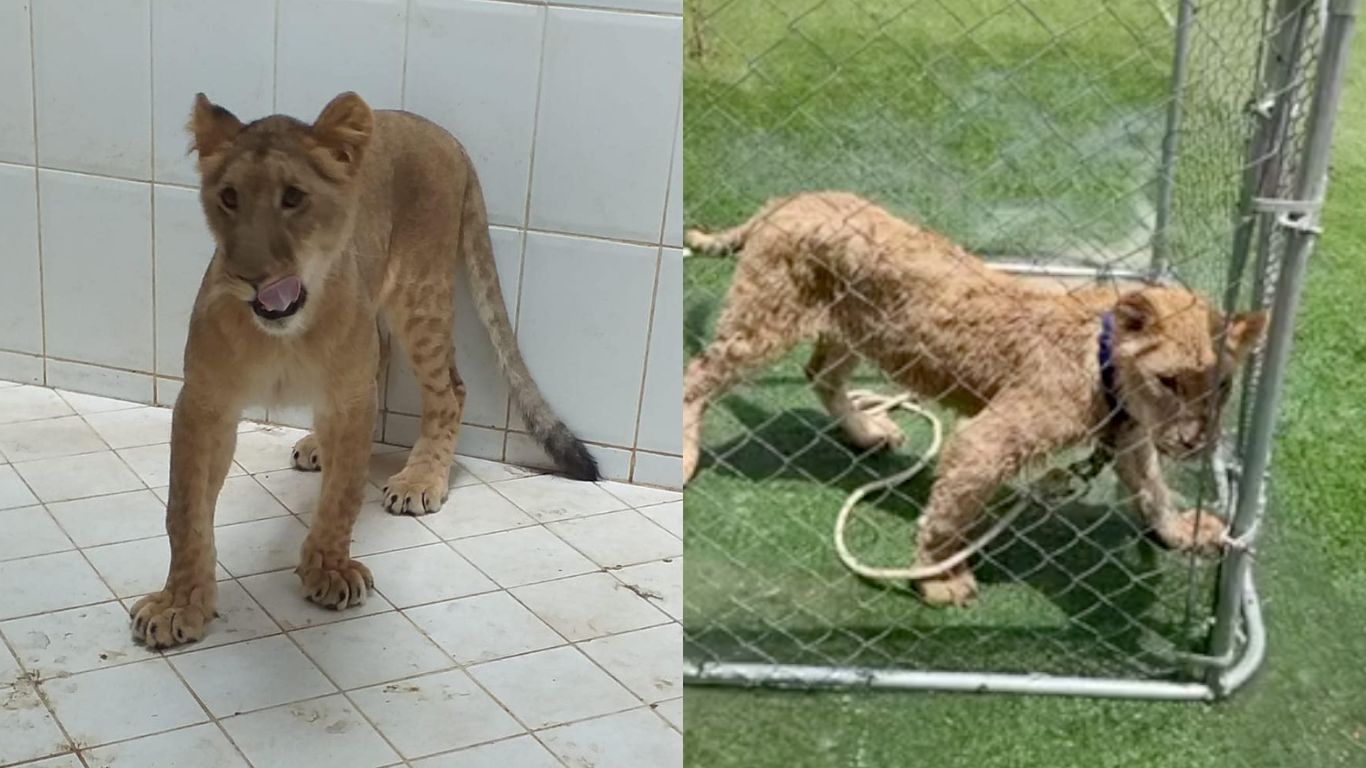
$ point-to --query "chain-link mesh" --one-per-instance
(1040, 134)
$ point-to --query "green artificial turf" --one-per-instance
(1047, 157)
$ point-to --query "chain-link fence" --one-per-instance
(1120, 143)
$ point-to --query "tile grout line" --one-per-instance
(581, 6)
(291, 512)
(654, 295)
(152, 172)
(526, 207)
(275, 62)
(259, 424)
(524, 227)
(673, 159)
(403, 74)
(37, 185)
(645, 360)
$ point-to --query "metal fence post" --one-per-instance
(1264, 175)
(1302, 230)
(1166, 180)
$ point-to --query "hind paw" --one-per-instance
(869, 431)
(307, 455)
(957, 587)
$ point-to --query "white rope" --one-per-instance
(876, 403)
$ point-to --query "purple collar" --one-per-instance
(1107, 365)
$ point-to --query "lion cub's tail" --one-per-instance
(729, 241)
(566, 450)
(718, 243)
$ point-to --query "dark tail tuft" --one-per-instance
(569, 453)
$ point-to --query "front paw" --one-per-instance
(1193, 531)
(956, 587)
(173, 616)
(334, 581)
(416, 491)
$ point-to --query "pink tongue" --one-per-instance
(277, 296)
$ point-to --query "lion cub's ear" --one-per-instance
(1245, 329)
(1135, 313)
(343, 128)
(212, 127)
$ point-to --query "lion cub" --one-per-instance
(1144, 372)
(322, 231)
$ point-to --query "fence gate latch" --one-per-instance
(1297, 215)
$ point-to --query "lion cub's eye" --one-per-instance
(292, 197)
(1169, 382)
(228, 197)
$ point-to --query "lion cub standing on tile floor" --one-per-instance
(1037, 370)
(321, 231)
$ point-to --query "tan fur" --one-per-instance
(388, 204)
(1020, 360)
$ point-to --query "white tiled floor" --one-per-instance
(532, 623)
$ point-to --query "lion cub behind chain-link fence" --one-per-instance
(1142, 372)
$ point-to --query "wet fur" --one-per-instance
(391, 205)
(1020, 360)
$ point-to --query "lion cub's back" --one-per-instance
(420, 153)
(851, 236)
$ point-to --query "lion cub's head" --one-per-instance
(280, 197)
(1175, 363)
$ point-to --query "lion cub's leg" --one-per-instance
(203, 437)
(987, 450)
(1138, 467)
(828, 370)
(748, 335)
(345, 425)
(307, 454)
(423, 328)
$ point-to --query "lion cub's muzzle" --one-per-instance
(279, 299)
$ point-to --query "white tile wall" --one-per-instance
(661, 414)
(92, 66)
(21, 315)
(494, 114)
(97, 268)
(329, 46)
(16, 87)
(604, 115)
(215, 48)
(570, 112)
(183, 250)
(564, 295)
